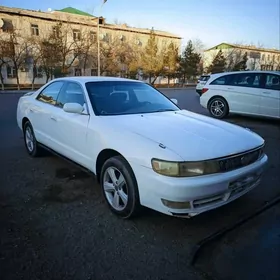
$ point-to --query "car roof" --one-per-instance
(245, 72)
(86, 79)
(217, 75)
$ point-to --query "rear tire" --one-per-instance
(30, 141)
(119, 187)
(218, 108)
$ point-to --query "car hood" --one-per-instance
(192, 136)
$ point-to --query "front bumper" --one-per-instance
(200, 193)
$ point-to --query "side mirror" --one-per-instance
(175, 101)
(75, 108)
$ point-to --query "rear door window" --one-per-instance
(246, 80)
(272, 82)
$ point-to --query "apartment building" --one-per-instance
(258, 58)
(36, 24)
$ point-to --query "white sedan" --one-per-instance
(144, 150)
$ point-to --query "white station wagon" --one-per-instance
(244, 92)
(142, 147)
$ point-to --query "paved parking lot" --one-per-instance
(54, 223)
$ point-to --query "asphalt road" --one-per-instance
(54, 223)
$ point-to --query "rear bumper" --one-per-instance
(199, 91)
(203, 100)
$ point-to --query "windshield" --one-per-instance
(125, 97)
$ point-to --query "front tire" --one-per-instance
(30, 141)
(120, 188)
(218, 108)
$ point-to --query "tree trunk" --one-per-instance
(85, 65)
(2, 78)
(47, 72)
(18, 85)
(154, 79)
(33, 81)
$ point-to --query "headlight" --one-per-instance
(184, 169)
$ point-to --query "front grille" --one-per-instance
(240, 160)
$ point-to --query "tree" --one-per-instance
(50, 58)
(118, 56)
(219, 63)
(68, 44)
(241, 65)
(153, 58)
(33, 58)
(198, 46)
(87, 51)
(171, 61)
(15, 50)
(3, 60)
(189, 62)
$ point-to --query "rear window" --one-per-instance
(204, 78)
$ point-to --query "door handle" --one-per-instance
(266, 92)
(53, 118)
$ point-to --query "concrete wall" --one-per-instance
(23, 19)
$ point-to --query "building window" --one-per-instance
(38, 72)
(93, 72)
(7, 25)
(122, 38)
(11, 72)
(267, 67)
(263, 57)
(92, 36)
(35, 29)
(55, 31)
(273, 58)
(76, 34)
(101, 20)
(78, 72)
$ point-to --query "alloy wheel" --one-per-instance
(29, 139)
(115, 188)
(217, 108)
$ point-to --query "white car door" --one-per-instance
(270, 96)
(40, 112)
(244, 93)
(70, 129)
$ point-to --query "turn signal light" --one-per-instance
(204, 90)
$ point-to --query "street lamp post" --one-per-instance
(98, 47)
(98, 39)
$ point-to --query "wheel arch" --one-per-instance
(24, 121)
(104, 155)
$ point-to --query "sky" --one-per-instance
(212, 21)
